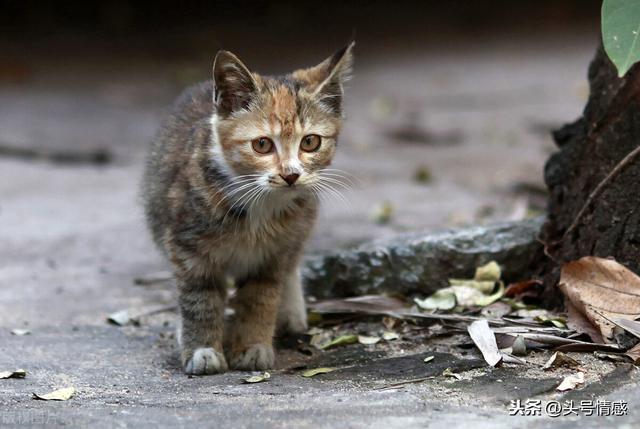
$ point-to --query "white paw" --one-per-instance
(205, 360)
(256, 357)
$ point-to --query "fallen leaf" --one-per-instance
(390, 336)
(423, 175)
(559, 359)
(316, 371)
(630, 326)
(119, 318)
(389, 322)
(579, 323)
(314, 318)
(366, 340)
(634, 353)
(488, 272)
(448, 373)
(257, 378)
(570, 382)
(520, 288)
(490, 299)
(531, 313)
(314, 331)
(485, 340)
(18, 373)
(588, 347)
(342, 340)
(318, 340)
(498, 309)
(613, 357)
(602, 290)
(558, 322)
(20, 331)
(468, 285)
(57, 395)
(442, 299)
(476, 292)
(428, 359)
(519, 346)
(365, 303)
(383, 213)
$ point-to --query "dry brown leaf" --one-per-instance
(559, 359)
(520, 288)
(634, 353)
(579, 323)
(602, 290)
(631, 326)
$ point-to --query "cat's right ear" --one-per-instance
(235, 86)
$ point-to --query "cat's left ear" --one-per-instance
(235, 86)
(330, 76)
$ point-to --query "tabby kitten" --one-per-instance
(230, 191)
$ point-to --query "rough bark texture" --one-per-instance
(590, 149)
(423, 262)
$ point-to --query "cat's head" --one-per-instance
(279, 132)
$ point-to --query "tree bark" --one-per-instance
(594, 179)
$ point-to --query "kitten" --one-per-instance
(230, 191)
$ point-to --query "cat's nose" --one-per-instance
(290, 178)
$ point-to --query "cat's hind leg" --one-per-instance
(292, 315)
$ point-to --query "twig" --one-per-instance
(400, 384)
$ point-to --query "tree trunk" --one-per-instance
(594, 179)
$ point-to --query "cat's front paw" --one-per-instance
(257, 357)
(204, 361)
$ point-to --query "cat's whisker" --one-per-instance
(343, 174)
(335, 193)
(248, 197)
(228, 195)
(238, 182)
(336, 182)
(239, 200)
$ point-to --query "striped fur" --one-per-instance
(220, 210)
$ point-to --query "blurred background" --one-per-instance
(449, 113)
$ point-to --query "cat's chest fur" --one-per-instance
(271, 230)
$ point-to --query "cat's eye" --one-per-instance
(310, 143)
(262, 145)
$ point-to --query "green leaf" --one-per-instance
(441, 300)
(490, 299)
(489, 272)
(315, 371)
(340, 341)
(621, 32)
(257, 378)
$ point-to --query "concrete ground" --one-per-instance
(476, 118)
